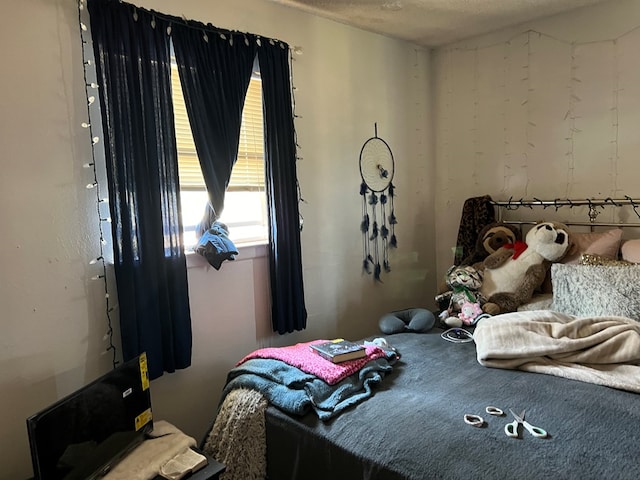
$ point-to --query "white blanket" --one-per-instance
(600, 350)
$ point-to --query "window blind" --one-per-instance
(248, 171)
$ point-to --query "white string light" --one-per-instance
(297, 50)
(507, 174)
(615, 154)
(574, 82)
(94, 185)
(573, 99)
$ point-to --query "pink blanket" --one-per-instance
(303, 357)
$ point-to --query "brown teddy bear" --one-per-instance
(491, 238)
(513, 272)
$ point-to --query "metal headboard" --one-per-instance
(595, 207)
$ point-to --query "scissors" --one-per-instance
(511, 429)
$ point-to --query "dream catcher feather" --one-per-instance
(378, 216)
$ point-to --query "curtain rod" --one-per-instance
(210, 28)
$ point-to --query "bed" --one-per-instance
(574, 366)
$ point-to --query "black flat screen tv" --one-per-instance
(83, 435)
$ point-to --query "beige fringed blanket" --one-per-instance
(238, 438)
(600, 350)
(145, 462)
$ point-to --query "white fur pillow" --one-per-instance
(587, 290)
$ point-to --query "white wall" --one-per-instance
(52, 318)
(549, 109)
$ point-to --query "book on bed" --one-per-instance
(339, 350)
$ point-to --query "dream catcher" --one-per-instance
(378, 217)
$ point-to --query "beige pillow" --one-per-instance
(605, 244)
(631, 250)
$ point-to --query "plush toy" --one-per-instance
(463, 300)
(469, 313)
(513, 272)
(491, 238)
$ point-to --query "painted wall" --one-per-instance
(549, 110)
(52, 316)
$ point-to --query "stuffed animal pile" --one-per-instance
(513, 272)
(507, 277)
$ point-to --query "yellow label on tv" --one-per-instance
(144, 371)
(144, 418)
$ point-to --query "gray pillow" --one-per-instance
(596, 290)
(410, 320)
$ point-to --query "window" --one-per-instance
(245, 210)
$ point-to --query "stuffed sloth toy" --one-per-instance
(491, 238)
(513, 272)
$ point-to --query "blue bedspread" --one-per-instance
(297, 392)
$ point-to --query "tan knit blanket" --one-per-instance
(238, 438)
(600, 350)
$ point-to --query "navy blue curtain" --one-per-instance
(215, 80)
(133, 66)
(214, 72)
(288, 312)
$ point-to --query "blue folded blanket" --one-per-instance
(297, 392)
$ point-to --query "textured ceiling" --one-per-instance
(434, 22)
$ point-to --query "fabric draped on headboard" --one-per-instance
(477, 212)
